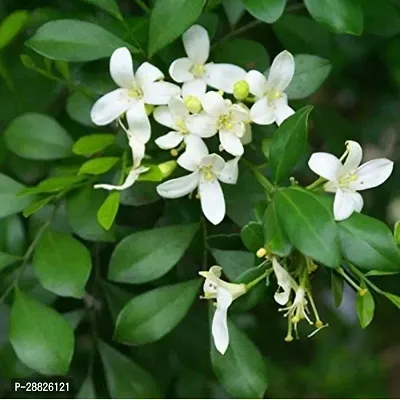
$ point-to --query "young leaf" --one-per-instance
(98, 166)
(253, 236)
(92, 144)
(289, 144)
(233, 262)
(170, 19)
(148, 255)
(151, 315)
(42, 338)
(11, 26)
(62, 264)
(337, 287)
(267, 11)
(110, 6)
(38, 137)
(365, 306)
(52, 185)
(108, 210)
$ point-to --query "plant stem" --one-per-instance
(259, 279)
(367, 281)
(316, 183)
(264, 181)
(237, 31)
(205, 244)
(348, 279)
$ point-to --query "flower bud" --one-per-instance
(149, 108)
(174, 153)
(241, 90)
(261, 252)
(193, 104)
(167, 168)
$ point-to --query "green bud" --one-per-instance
(193, 104)
(149, 108)
(167, 168)
(27, 61)
(241, 90)
(397, 232)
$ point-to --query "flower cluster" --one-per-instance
(193, 113)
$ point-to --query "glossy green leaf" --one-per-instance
(78, 108)
(381, 18)
(38, 137)
(310, 73)
(111, 6)
(7, 260)
(337, 287)
(308, 222)
(148, 255)
(125, 379)
(36, 205)
(253, 236)
(267, 11)
(365, 306)
(170, 19)
(343, 16)
(368, 243)
(396, 233)
(241, 370)
(42, 338)
(393, 298)
(98, 166)
(234, 10)
(154, 174)
(92, 144)
(14, 235)
(108, 210)
(62, 264)
(151, 315)
(74, 40)
(233, 262)
(289, 144)
(11, 26)
(52, 185)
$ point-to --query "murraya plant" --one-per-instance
(190, 129)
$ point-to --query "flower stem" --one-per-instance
(367, 281)
(315, 184)
(348, 279)
(238, 31)
(264, 181)
(259, 279)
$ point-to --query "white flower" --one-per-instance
(207, 171)
(174, 116)
(284, 282)
(129, 181)
(136, 90)
(272, 105)
(298, 310)
(347, 179)
(193, 69)
(221, 116)
(224, 293)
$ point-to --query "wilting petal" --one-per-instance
(121, 68)
(111, 106)
(326, 165)
(219, 327)
(159, 93)
(180, 70)
(372, 174)
(138, 150)
(214, 161)
(262, 113)
(230, 172)
(224, 76)
(345, 204)
(214, 104)
(177, 107)
(164, 117)
(170, 140)
(231, 143)
(353, 159)
(202, 125)
(257, 83)
(138, 122)
(179, 187)
(281, 71)
(197, 44)
(284, 282)
(147, 73)
(196, 88)
(212, 200)
(282, 110)
(130, 180)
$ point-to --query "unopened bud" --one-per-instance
(261, 252)
(149, 108)
(174, 153)
(289, 338)
(167, 168)
(241, 90)
(363, 292)
(197, 196)
(193, 104)
(319, 324)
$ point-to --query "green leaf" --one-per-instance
(11, 26)
(92, 144)
(365, 306)
(233, 262)
(381, 18)
(7, 260)
(267, 11)
(276, 240)
(52, 185)
(337, 287)
(170, 19)
(148, 255)
(98, 166)
(73, 40)
(309, 75)
(393, 298)
(343, 16)
(36, 205)
(151, 315)
(154, 174)
(253, 236)
(78, 108)
(308, 222)
(10, 202)
(289, 144)
(42, 338)
(108, 210)
(396, 233)
(38, 137)
(62, 264)
(234, 10)
(125, 379)
(241, 370)
(368, 243)
(244, 53)
(110, 6)
(14, 235)
(87, 390)
(374, 272)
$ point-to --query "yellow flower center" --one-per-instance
(348, 178)
(225, 122)
(273, 95)
(207, 172)
(135, 92)
(193, 104)
(198, 70)
(181, 125)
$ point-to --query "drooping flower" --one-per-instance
(129, 181)
(347, 179)
(272, 104)
(193, 70)
(284, 281)
(135, 90)
(224, 293)
(207, 170)
(221, 116)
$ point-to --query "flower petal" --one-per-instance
(239, 113)
(179, 187)
(231, 143)
(224, 76)
(177, 107)
(262, 113)
(138, 150)
(284, 282)
(191, 158)
(121, 68)
(344, 205)
(216, 162)
(257, 83)
(159, 93)
(129, 181)
(138, 122)
(196, 88)
(170, 140)
(230, 172)
(110, 106)
(164, 117)
(353, 159)
(197, 44)
(214, 104)
(247, 135)
(148, 73)
(326, 165)
(202, 125)
(212, 200)
(219, 326)
(282, 110)
(281, 71)
(180, 70)
(372, 174)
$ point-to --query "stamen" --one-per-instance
(198, 70)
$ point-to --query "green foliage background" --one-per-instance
(65, 305)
